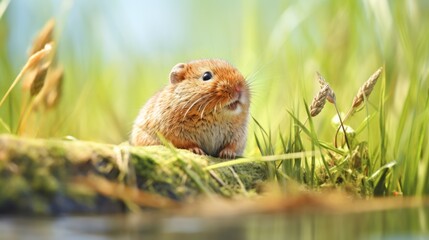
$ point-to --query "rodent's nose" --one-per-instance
(238, 89)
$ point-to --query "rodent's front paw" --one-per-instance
(227, 153)
(197, 150)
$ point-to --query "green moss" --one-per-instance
(40, 173)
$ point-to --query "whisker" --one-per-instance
(202, 113)
(191, 99)
(190, 107)
(193, 104)
(215, 108)
(210, 96)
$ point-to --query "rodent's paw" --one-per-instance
(227, 153)
(197, 150)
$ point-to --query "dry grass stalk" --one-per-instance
(48, 96)
(330, 96)
(366, 89)
(40, 57)
(44, 37)
(37, 68)
(39, 63)
(35, 72)
(319, 101)
(34, 60)
(363, 93)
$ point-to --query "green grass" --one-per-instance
(279, 46)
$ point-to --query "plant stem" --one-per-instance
(342, 126)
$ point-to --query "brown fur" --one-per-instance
(195, 114)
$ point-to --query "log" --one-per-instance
(60, 176)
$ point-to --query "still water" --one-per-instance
(409, 223)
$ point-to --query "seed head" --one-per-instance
(366, 89)
(39, 80)
(321, 80)
(43, 37)
(51, 91)
(319, 101)
(330, 95)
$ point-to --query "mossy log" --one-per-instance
(55, 176)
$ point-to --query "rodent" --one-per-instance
(204, 109)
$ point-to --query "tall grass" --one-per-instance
(279, 45)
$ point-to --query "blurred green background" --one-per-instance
(117, 54)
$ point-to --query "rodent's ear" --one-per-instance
(177, 74)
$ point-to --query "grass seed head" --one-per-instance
(321, 80)
(39, 80)
(36, 69)
(319, 101)
(39, 57)
(51, 91)
(366, 89)
(54, 94)
(330, 95)
(43, 37)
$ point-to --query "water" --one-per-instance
(410, 223)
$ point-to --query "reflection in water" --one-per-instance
(393, 224)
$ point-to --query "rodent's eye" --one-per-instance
(207, 76)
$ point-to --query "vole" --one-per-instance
(204, 109)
